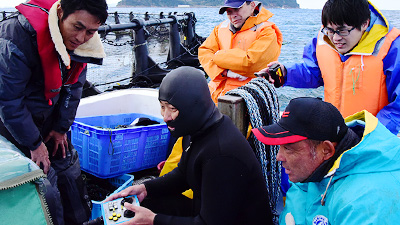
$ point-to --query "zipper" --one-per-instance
(21, 180)
(187, 149)
(40, 189)
(36, 6)
(70, 72)
(342, 77)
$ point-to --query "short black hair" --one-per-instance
(351, 12)
(97, 8)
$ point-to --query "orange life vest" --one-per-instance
(243, 40)
(357, 84)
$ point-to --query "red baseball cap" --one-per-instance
(304, 118)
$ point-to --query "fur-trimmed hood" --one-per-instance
(92, 48)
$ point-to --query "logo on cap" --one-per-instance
(285, 114)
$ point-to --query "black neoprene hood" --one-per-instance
(186, 89)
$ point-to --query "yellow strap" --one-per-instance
(172, 162)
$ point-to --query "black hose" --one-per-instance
(97, 221)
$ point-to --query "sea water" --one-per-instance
(298, 27)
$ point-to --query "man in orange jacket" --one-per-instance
(239, 46)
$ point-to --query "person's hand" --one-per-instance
(60, 140)
(280, 64)
(235, 75)
(138, 190)
(264, 73)
(276, 80)
(41, 156)
(143, 216)
(224, 73)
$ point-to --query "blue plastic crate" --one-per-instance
(121, 182)
(107, 152)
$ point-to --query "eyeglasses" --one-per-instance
(341, 32)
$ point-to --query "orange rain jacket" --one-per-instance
(245, 52)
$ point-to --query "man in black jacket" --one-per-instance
(44, 48)
(218, 164)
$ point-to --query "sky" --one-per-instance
(306, 4)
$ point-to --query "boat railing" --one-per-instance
(5, 14)
(182, 48)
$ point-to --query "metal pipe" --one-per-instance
(141, 52)
(190, 32)
(116, 17)
(134, 24)
(174, 39)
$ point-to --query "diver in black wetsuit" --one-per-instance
(218, 164)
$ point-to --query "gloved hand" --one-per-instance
(236, 75)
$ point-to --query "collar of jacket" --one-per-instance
(371, 122)
(349, 140)
(363, 123)
(377, 29)
(92, 48)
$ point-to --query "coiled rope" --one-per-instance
(263, 108)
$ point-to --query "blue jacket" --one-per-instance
(308, 74)
(365, 186)
(24, 110)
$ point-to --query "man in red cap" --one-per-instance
(328, 161)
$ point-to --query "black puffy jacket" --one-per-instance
(24, 111)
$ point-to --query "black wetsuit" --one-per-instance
(218, 165)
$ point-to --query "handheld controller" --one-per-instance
(114, 211)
